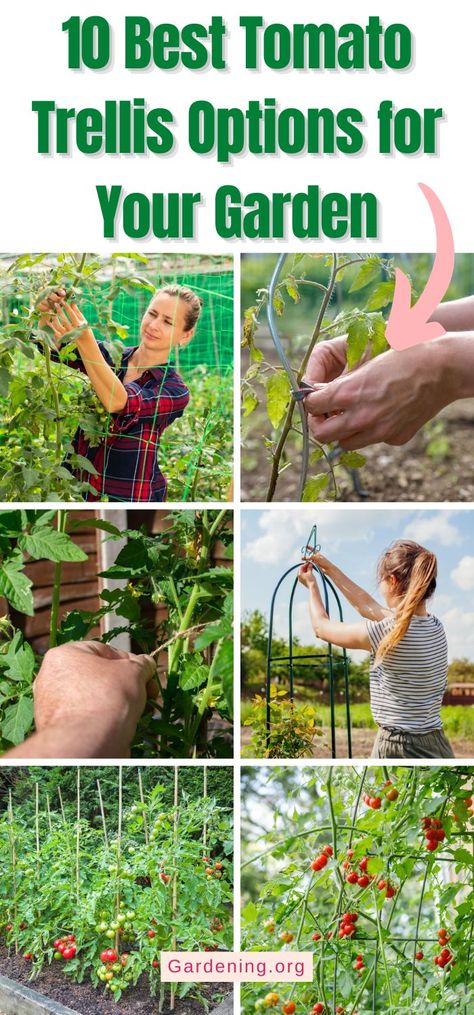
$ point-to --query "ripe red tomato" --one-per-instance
(328, 850)
(155, 964)
(431, 845)
(27, 956)
(363, 863)
(151, 933)
(392, 794)
(318, 1008)
(363, 881)
(419, 956)
(319, 862)
(381, 885)
(352, 878)
(316, 936)
(391, 891)
(350, 854)
(69, 953)
(288, 1008)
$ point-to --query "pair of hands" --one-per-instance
(384, 399)
(61, 317)
(88, 698)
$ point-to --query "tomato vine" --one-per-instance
(389, 918)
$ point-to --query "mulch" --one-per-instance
(87, 1000)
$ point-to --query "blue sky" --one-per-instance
(354, 538)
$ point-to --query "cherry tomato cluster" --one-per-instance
(213, 872)
(216, 925)
(389, 791)
(359, 963)
(121, 924)
(372, 801)
(347, 926)
(387, 887)
(321, 860)
(319, 1008)
(445, 956)
(65, 947)
(354, 877)
(434, 833)
(113, 965)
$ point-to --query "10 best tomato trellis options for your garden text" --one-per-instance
(261, 127)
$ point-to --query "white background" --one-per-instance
(50, 202)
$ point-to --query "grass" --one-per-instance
(458, 720)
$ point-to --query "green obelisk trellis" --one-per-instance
(334, 662)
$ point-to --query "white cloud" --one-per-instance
(463, 574)
(459, 626)
(433, 528)
(285, 531)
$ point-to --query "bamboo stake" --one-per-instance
(78, 837)
(174, 910)
(13, 855)
(142, 799)
(119, 846)
(50, 825)
(37, 830)
(204, 831)
(101, 804)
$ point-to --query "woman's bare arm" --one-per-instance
(361, 600)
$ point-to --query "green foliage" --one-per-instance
(197, 451)
(365, 330)
(292, 730)
(136, 882)
(290, 815)
(174, 569)
(42, 402)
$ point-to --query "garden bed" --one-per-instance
(84, 999)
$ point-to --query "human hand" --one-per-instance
(385, 399)
(306, 575)
(323, 563)
(63, 318)
(95, 693)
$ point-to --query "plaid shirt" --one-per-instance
(127, 459)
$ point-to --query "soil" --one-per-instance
(87, 1000)
(408, 473)
(362, 741)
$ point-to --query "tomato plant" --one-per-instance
(390, 926)
(43, 402)
(175, 570)
(91, 898)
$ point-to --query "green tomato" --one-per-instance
(103, 926)
(131, 850)
(110, 934)
(130, 914)
(121, 918)
(116, 968)
(114, 925)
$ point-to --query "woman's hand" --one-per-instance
(65, 319)
(323, 563)
(306, 576)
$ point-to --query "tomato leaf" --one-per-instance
(278, 396)
(17, 720)
(16, 587)
(52, 545)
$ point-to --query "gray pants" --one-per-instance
(390, 743)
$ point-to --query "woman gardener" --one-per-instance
(142, 396)
(407, 645)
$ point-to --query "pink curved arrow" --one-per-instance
(407, 325)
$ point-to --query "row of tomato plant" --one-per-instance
(104, 902)
(373, 872)
(174, 570)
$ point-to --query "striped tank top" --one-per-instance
(407, 687)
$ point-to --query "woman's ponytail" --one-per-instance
(415, 570)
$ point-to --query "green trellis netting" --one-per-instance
(212, 345)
